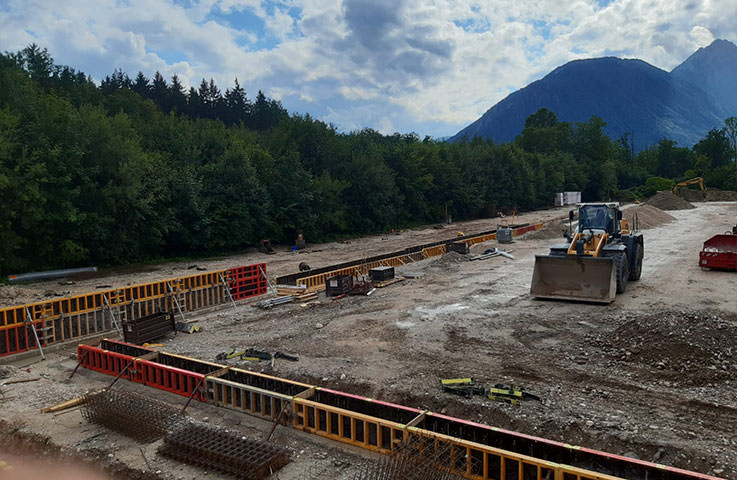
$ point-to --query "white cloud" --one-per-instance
(428, 66)
(702, 36)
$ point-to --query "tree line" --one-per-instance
(140, 169)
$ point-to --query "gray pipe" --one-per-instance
(49, 274)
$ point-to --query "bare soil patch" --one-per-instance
(33, 456)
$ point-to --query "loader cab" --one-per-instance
(600, 216)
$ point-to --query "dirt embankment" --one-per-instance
(666, 200)
(32, 456)
(648, 216)
(710, 195)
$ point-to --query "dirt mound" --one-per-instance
(551, 230)
(692, 195)
(647, 216)
(450, 259)
(665, 200)
(716, 195)
(691, 348)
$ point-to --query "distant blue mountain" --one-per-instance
(631, 96)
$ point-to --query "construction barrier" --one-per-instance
(478, 451)
(314, 280)
(80, 316)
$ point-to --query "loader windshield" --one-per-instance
(595, 216)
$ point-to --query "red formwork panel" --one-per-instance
(522, 230)
(719, 252)
(247, 281)
(19, 337)
(146, 372)
(172, 379)
(104, 361)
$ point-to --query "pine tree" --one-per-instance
(177, 97)
(141, 85)
(160, 92)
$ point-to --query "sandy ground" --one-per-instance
(651, 376)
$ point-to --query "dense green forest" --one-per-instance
(138, 169)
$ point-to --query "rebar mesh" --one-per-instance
(418, 458)
(131, 414)
(228, 452)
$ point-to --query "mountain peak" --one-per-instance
(630, 95)
(718, 51)
(714, 70)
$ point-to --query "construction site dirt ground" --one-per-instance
(652, 376)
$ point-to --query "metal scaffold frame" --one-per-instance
(38, 325)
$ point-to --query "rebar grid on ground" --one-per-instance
(419, 458)
(218, 449)
(131, 414)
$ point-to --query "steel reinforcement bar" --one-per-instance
(478, 451)
(315, 279)
(24, 327)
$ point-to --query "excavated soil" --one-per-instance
(648, 216)
(666, 200)
(692, 195)
(716, 195)
(33, 456)
(684, 349)
(710, 195)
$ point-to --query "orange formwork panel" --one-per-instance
(79, 316)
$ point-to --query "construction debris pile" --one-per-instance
(222, 450)
(668, 344)
(666, 200)
(131, 414)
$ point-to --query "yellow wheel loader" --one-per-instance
(602, 255)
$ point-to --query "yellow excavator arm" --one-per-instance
(691, 181)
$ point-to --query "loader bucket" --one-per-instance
(584, 279)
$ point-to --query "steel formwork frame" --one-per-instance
(368, 423)
(80, 316)
(316, 282)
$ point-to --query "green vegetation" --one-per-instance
(134, 170)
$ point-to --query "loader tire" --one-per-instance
(636, 272)
(621, 263)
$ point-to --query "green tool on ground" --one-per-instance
(464, 387)
(501, 390)
(467, 387)
(187, 327)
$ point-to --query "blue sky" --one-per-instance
(428, 66)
